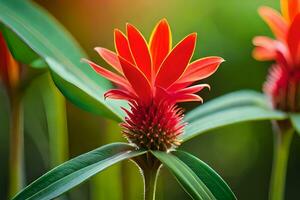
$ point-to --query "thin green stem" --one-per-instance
(150, 168)
(282, 141)
(16, 146)
(150, 179)
(55, 110)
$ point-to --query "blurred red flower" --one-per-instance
(283, 82)
(9, 68)
(153, 77)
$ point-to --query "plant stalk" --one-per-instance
(16, 146)
(282, 141)
(55, 110)
(150, 169)
(150, 179)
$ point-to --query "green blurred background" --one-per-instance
(241, 154)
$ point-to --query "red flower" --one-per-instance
(153, 77)
(9, 69)
(283, 83)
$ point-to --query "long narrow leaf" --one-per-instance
(210, 178)
(227, 117)
(35, 123)
(55, 111)
(295, 119)
(20, 51)
(234, 99)
(75, 171)
(185, 176)
(83, 99)
(50, 40)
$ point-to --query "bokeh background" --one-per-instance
(241, 154)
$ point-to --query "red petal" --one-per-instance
(175, 64)
(293, 40)
(118, 94)
(137, 79)
(108, 74)
(122, 46)
(160, 43)
(140, 51)
(263, 54)
(110, 57)
(267, 42)
(201, 69)
(269, 49)
(193, 89)
(161, 94)
(187, 98)
(178, 86)
(275, 21)
(290, 8)
(187, 94)
(265, 50)
(294, 9)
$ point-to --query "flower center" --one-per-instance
(283, 86)
(155, 126)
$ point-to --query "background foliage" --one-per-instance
(242, 153)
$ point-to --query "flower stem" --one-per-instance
(149, 166)
(150, 178)
(282, 141)
(16, 145)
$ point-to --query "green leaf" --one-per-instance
(35, 123)
(75, 171)
(295, 119)
(82, 99)
(20, 51)
(55, 110)
(207, 175)
(38, 63)
(234, 99)
(227, 117)
(187, 178)
(52, 42)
